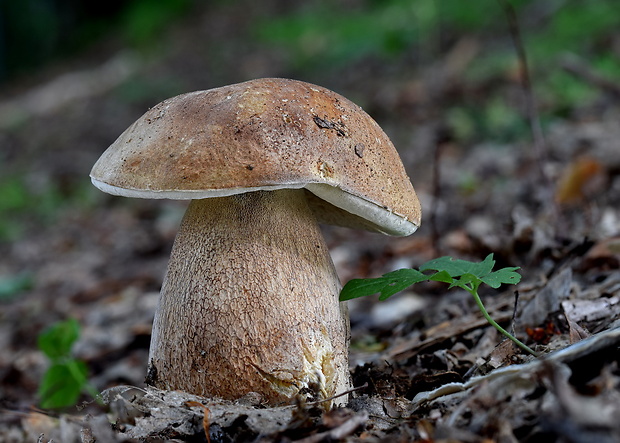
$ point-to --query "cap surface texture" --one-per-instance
(265, 134)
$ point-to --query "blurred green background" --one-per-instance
(384, 54)
(322, 34)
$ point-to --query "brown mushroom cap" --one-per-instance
(265, 134)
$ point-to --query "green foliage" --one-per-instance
(327, 34)
(22, 203)
(143, 20)
(387, 285)
(457, 273)
(56, 341)
(66, 378)
(14, 198)
(469, 275)
(577, 25)
(463, 274)
(14, 195)
(12, 285)
(496, 119)
(62, 384)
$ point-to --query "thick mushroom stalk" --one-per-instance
(250, 303)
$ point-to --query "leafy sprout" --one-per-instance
(459, 273)
(66, 378)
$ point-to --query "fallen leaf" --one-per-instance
(573, 183)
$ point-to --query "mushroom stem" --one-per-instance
(250, 303)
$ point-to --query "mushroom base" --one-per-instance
(250, 303)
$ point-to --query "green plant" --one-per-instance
(463, 274)
(66, 378)
(332, 33)
(13, 285)
(143, 20)
(23, 205)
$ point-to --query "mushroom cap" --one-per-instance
(265, 134)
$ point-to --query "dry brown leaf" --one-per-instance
(575, 179)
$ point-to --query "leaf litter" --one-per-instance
(434, 372)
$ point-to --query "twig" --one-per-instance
(323, 400)
(514, 314)
(574, 65)
(538, 138)
(524, 74)
(439, 143)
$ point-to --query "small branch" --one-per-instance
(514, 314)
(524, 74)
(572, 64)
(359, 388)
(440, 140)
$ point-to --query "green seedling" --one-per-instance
(457, 273)
(66, 378)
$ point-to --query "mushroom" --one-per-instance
(249, 302)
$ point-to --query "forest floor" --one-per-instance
(429, 366)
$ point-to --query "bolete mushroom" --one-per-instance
(250, 299)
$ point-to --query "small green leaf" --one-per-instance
(457, 273)
(387, 285)
(56, 341)
(458, 267)
(507, 276)
(62, 384)
(467, 279)
(361, 287)
(442, 276)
